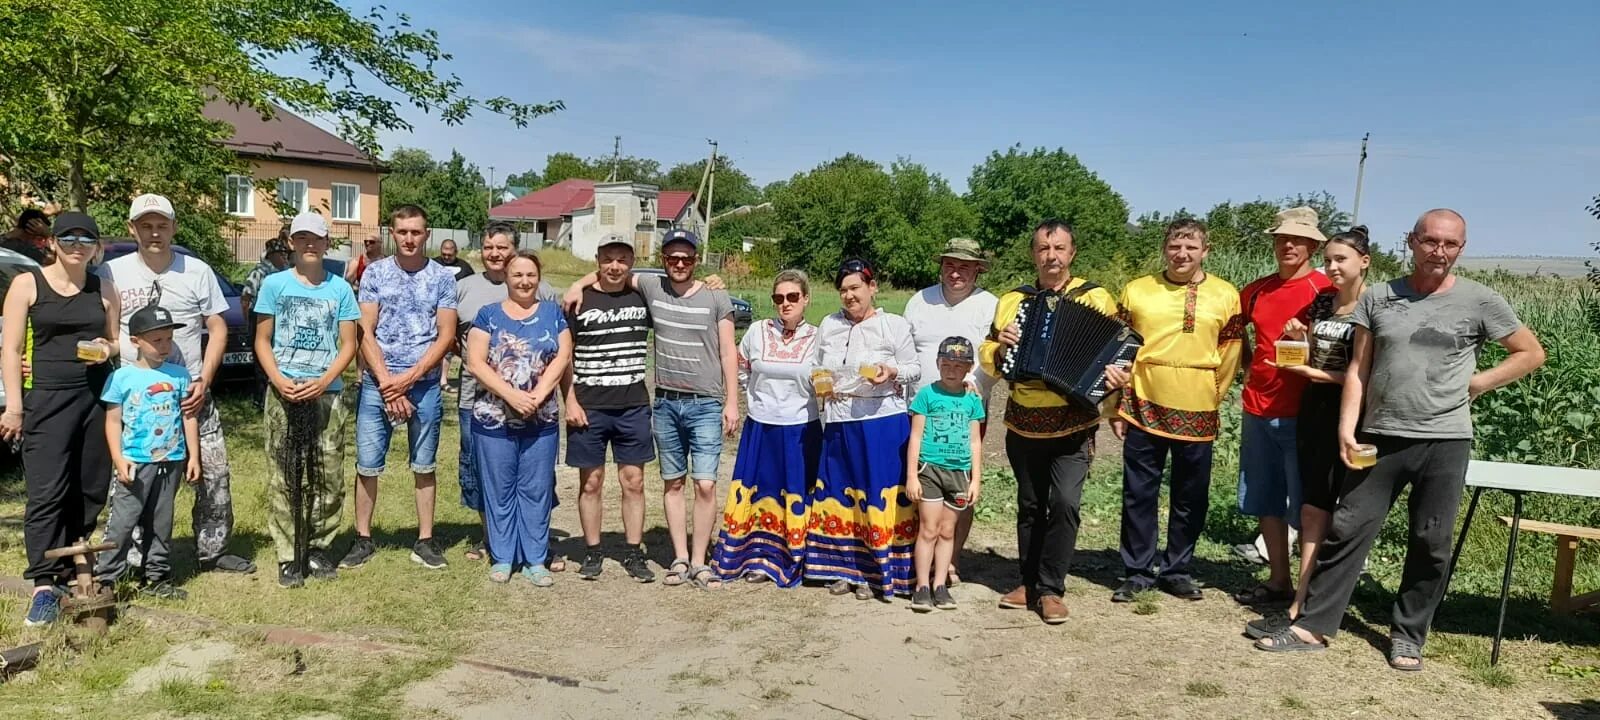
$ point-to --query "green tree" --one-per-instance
(1011, 193)
(453, 192)
(103, 96)
(526, 179)
(564, 166)
(734, 188)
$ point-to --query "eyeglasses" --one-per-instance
(678, 259)
(78, 240)
(781, 298)
(1431, 245)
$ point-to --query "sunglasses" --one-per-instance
(78, 240)
(851, 267)
(781, 298)
(678, 259)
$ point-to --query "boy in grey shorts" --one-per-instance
(943, 467)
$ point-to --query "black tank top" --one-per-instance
(59, 324)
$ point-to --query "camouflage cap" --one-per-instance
(963, 249)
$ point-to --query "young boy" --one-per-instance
(304, 342)
(154, 444)
(943, 467)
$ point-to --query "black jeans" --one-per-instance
(1437, 472)
(1144, 457)
(67, 468)
(1050, 474)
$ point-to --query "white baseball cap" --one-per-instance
(150, 203)
(310, 222)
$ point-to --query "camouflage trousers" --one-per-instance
(322, 422)
(213, 497)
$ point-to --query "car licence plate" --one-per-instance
(238, 358)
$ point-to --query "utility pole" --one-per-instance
(491, 187)
(711, 186)
(616, 157)
(1361, 171)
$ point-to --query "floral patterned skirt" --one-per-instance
(862, 526)
(764, 518)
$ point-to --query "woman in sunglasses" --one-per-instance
(862, 526)
(763, 533)
(60, 422)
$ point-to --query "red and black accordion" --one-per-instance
(1068, 345)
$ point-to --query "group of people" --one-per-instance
(860, 446)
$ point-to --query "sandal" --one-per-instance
(1264, 595)
(839, 587)
(863, 592)
(556, 564)
(952, 578)
(477, 552)
(704, 577)
(1266, 626)
(539, 576)
(500, 572)
(1286, 641)
(1402, 649)
(677, 572)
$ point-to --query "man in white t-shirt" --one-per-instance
(954, 307)
(187, 288)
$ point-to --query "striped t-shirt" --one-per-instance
(688, 348)
(609, 338)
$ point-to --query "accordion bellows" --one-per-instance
(1067, 345)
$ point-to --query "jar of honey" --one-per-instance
(869, 371)
(1292, 352)
(1365, 456)
(822, 382)
(93, 351)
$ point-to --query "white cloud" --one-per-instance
(673, 55)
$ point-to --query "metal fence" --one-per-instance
(249, 241)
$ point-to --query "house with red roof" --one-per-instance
(576, 213)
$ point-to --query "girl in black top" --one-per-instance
(60, 422)
(1345, 260)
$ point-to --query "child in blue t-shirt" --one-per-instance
(943, 467)
(154, 446)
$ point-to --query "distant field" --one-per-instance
(1557, 266)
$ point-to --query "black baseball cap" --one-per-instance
(681, 235)
(75, 220)
(956, 348)
(151, 317)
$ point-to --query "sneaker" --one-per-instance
(45, 609)
(942, 599)
(360, 552)
(426, 553)
(636, 566)
(163, 589)
(592, 564)
(922, 600)
(321, 567)
(289, 576)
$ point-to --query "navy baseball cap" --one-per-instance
(680, 235)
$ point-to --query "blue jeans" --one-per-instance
(519, 492)
(688, 437)
(467, 465)
(373, 429)
(1269, 468)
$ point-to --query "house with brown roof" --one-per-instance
(576, 213)
(304, 168)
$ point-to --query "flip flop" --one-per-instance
(1286, 641)
(539, 576)
(1401, 649)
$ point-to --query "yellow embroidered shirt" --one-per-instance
(1192, 341)
(1034, 410)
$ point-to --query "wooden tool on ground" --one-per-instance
(88, 604)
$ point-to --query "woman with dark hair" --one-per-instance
(517, 351)
(1345, 257)
(60, 421)
(862, 526)
(764, 519)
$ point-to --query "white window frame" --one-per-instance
(305, 192)
(231, 186)
(355, 204)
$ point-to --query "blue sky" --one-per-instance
(1490, 108)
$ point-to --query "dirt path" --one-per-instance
(756, 651)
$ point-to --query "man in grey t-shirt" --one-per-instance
(696, 402)
(1414, 367)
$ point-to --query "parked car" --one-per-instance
(12, 264)
(238, 357)
(742, 312)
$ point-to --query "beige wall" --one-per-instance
(319, 190)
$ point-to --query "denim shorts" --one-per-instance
(373, 428)
(688, 437)
(1269, 468)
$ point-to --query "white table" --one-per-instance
(1517, 480)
